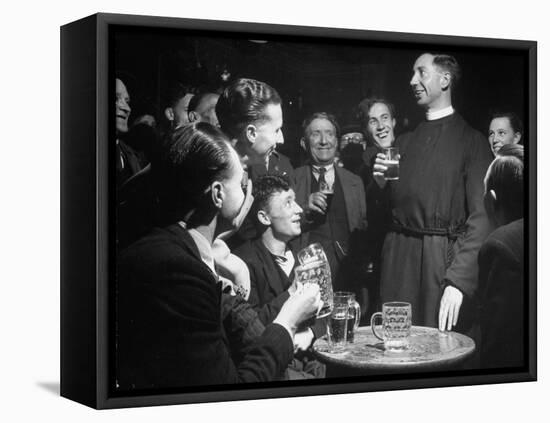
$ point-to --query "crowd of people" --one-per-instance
(210, 217)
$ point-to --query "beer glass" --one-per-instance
(392, 163)
(354, 311)
(337, 325)
(328, 190)
(314, 268)
(396, 325)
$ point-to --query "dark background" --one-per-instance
(314, 74)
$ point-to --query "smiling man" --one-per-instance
(438, 221)
(332, 213)
(505, 128)
(271, 264)
(128, 162)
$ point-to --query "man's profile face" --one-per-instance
(234, 195)
(502, 133)
(269, 132)
(206, 109)
(122, 107)
(381, 124)
(180, 110)
(426, 81)
(284, 214)
(321, 141)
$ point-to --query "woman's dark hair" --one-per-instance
(505, 177)
(191, 158)
(242, 103)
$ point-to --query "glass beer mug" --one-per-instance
(347, 299)
(314, 268)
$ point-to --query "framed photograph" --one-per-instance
(259, 211)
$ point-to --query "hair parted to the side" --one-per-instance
(448, 63)
(190, 159)
(320, 115)
(242, 103)
(505, 178)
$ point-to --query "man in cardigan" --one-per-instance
(330, 221)
(271, 264)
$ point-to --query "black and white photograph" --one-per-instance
(294, 209)
(289, 211)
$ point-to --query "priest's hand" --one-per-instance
(379, 169)
(449, 307)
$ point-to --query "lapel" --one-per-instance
(270, 269)
(350, 196)
(185, 240)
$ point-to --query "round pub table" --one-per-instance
(429, 349)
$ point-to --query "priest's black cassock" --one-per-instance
(438, 218)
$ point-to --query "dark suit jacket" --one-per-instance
(269, 284)
(502, 293)
(169, 328)
(354, 196)
(278, 164)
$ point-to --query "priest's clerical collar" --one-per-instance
(327, 167)
(438, 114)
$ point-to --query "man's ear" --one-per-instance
(169, 113)
(193, 116)
(217, 194)
(263, 218)
(445, 80)
(517, 137)
(303, 144)
(251, 133)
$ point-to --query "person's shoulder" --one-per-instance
(347, 175)
(507, 240)
(159, 245)
(249, 251)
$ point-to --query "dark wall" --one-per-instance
(315, 76)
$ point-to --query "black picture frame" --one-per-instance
(88, 198)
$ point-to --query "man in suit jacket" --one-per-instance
(333, 198)
(168, 299)
(501, 267)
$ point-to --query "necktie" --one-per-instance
(322, 181)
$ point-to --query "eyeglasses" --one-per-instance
(355, 139)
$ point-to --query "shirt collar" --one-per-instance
(327, 167)
(438, 114)
(204, 247)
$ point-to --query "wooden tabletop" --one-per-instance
(428, 349)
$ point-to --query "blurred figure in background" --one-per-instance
(202, 108)
(128, 161)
